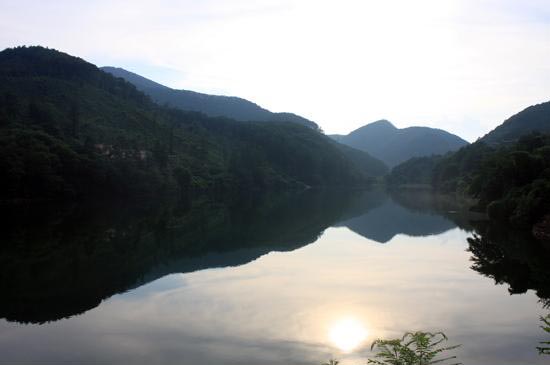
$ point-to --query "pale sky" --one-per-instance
(460, 65)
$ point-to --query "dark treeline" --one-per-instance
(68, 129)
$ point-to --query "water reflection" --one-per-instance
(348, 334)
(415, 214)
(64, 261)
(512, 258)
(239, 282)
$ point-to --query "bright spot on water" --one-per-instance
(347, 334)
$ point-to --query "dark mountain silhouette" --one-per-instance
(535, 118)
(211, 105)
(70, 130)
(392, 145)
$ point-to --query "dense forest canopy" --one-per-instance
(68, 129)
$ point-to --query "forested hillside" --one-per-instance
(68, 129)
(415, 171)
(510, 182)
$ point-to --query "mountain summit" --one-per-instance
(393, 145)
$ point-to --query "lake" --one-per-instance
(295, 278)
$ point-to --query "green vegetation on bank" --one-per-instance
(544, 349)
(511, 182)
(68, 129)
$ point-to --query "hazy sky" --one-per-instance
(460, 65)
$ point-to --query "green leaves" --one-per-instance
(414, 348)
(545, 349)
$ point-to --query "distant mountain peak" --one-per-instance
(393, 145)
(382, 122)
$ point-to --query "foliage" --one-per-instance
(545, 349)
(513, 183)
(414, 348)
(453, 173)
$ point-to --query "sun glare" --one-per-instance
(347, 334)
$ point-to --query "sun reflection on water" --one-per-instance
(347, 334)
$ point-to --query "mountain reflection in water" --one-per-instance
(329, 298)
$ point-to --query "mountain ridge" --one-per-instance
(534, 118)
(212, 105)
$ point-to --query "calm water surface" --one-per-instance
(290, 279)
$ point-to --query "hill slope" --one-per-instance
(392, 145)
(69, 129)
(211, 105)
(535, 118)
(239, 109)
